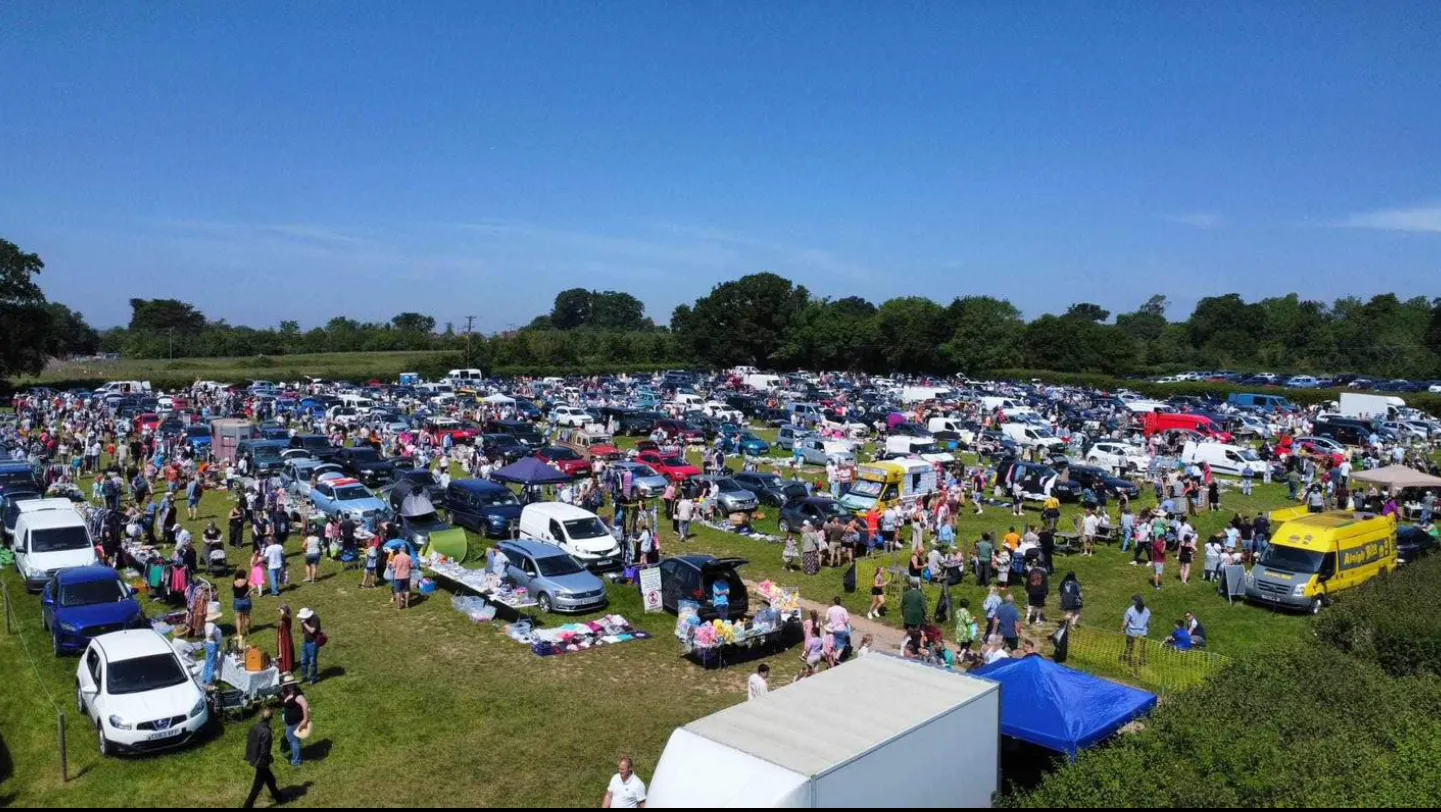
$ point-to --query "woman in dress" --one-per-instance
(257, 573)
(285, 642)
(240, 587)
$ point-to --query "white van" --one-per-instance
(922, 447)
(955, 426)
(1027, 435)
(1224, 459)
(470, 374)
(123, 388)
(50, 536)
(357, 401)
(577, 531)
(688, 399)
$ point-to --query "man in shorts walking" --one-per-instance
(1158, 560)
(400, 564)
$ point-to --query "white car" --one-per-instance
(852, 428)
(138, 694)
(572, 416)
(723, 412)
(1120, 457)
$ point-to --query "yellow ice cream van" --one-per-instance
(1313, 556)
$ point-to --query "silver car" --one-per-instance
(552, 577)
(645, 478)
(733, 497)
(818, 451)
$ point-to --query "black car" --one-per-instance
(1037, 481)
(1412, 543)
(423, 478)
(1098, 480)
(814, 509)
(639, 424)
(503, 447)
(770, 489)
(317, 444)
(417, 527)
(365, 464)
(522, 431)
(690, 578)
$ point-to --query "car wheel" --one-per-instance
(55, 644)
(79, 700)
(785, 526)
(545, 603)
(106, 748)
(44, 621)
(1316, 605)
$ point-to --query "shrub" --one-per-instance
(1304, 725)
(1391, 621)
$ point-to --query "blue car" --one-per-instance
(85, 602)
(348, 497)
(753, 446)
(198, 438)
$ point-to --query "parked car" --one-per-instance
(1118, 457)
(819, 451)
(317, 444)
(814, 509)
(458, 432)
(522, 431)
(485, 507)
(295, 477)
(133, 688)
(789, 434)
(424, 479)
(1412, 543)
(685, 431)
(733, 496)
(689, 577)
(1037, 481)
(1099, 481)
(572, 416)
(11, 501)
(675, 469)
(83, 603)
(565, 459)
(770, 489)
(575, 530)
(365, 464)
(552, 577)
(348, 497)
(645, 479)
(503, 448)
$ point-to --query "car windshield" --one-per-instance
(673, 462)
(364, 455)
(197, 431)
(1291, 559)
(498, 498)
(89, 593)
(315, 441)
(556, 565)
(866, 489)
(144, 674)
(349, 492)
(831, 508)
(751, 438)
(421, 477)
(59, 539)
(768, 480)
(561, 454)
(587, 528)
(1248, 455)
(267, 453)
(728, 485)
(642, 470)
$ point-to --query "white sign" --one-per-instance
(650, 589)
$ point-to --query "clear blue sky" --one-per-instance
(270, 160)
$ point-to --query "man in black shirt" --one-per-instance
(257, 754)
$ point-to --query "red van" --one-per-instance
(1157, 422)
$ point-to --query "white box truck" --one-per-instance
(1370, 407)
(878, 731)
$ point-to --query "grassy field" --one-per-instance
(347, 365)
(476, 719)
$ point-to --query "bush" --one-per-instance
(1304, 725)
(1391, 621)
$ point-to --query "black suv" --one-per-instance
(1100, 481)
(689, 578)
(1037, 481)
(502, 447)
(365, 464)
(770, 489)
(317, 444)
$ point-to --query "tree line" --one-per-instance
(767, 321)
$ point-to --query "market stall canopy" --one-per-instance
(1060, 708)
(499, 399)
(1398, 476)
(529, 471)
(416, 503)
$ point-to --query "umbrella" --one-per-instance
(530, 471)
(1398, 476)
(498, 398)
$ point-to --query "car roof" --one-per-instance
(558, 510)
(82, 575)
(343, 481)
(476, 485)
(133, 643)
(51, 519)
(534, 548)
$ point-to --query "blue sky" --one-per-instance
(272, 161)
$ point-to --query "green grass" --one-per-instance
(475, 719)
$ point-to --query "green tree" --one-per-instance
(910, 330)
(414, 323)
(70, 335)
(28, 325)
(832, 335)
(744, 321)
(985, 334)
(1086, 311)
(1149, 320)
(165, 316)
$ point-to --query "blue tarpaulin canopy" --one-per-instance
(529, 471)
(1060, 708)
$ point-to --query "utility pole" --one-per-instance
(469, 321)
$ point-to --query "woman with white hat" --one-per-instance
(296, 713)
(212, 644)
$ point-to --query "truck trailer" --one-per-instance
(878, 731)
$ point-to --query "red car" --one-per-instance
(675, 428)
(569, 462)
(675, 469)
(458, 431)
(147, 421)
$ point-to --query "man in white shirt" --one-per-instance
(758, 685)
(685, 514)
(1088, 531)
(626, 790)
(275, 562)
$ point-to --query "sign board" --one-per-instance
(650, 589)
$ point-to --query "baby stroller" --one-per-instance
(215, 562)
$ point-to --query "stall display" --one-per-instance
(488, 585)
(233, 671)
(608, 631)
(712, 644)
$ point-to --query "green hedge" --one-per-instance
(1303, 726)
(1392, 622)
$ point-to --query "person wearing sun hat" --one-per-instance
(295, 710)
(212, 644)
(311, 639)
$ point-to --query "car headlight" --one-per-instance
(198, 709)
(1299, 591)
(118, 723)
(69, 628)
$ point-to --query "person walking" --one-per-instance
(1038, 588)
(878, 594)
(311, 640)
(311, 548)
(1007, 621)
(913, 606)
(1071, 602)
(626, 790)
(1136, 624)
(985, 550)
(295, 710)
(275, 564)
(285, 642)
(257, 754)
(399, 567)
(237, 525)
(758, 685)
